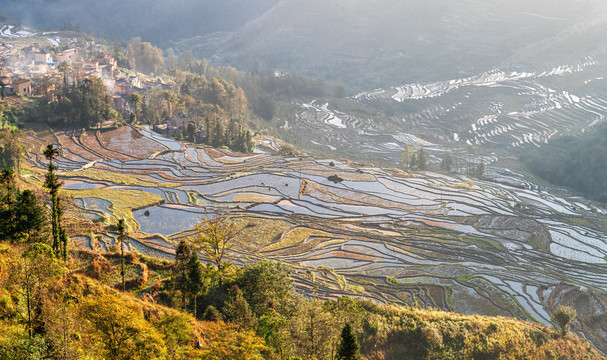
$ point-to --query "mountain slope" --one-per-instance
(382, 42)
(159, 21)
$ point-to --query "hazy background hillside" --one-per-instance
(158, 21)
(367, 44)
(374, 43)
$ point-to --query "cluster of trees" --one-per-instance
(416, 160)
(22, 219)
(410, 159)
(218, 108)
(11, 149)
(139, 56)
(579, 162)
(84, 103)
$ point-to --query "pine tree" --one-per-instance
(29, 215)
(421, 160)
(237, 309)
(349, 349)
(121, 237)
(53, 184)
(183, 254)
(195, 278)
(446, 163)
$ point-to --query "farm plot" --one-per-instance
(420, 239)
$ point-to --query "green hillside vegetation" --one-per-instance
(74, 307)
(576, 162)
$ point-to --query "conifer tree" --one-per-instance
(53, 184)
(349, 349)
(195, 278)
(446, 163)
(237, 309)
(421, 160)
(183, 254)
(121, 237)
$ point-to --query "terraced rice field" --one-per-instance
(421, 239)
(501, 109)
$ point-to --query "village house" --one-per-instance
(108, 65)
(175, 126)
(123, 87)
(43, 57)
(22, 87)
(90, 67)
(69, 56)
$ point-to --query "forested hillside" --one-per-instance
(576, 162)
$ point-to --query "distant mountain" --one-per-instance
(158, 21)
(366, 44)
(375, 43)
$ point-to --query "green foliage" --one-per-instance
(11, 149)
(237, 309)
(349, 349)
(120, 331)
(562, 318)
(576, 162)
(24, 349)
(267, 284)
(86, 103)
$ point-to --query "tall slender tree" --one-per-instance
(53, 184)
(122, 232)
(195, 278)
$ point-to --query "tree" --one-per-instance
(183, 254)
(119, 329)
(7, 222)
(29, 216)
(136, 100)
(53, 184)
(213, 236)
(226, 342)
(176, 329)
(237, 309)
(30, 277)
(349, 349)
(446, 163)
(11, 149)
(480, 170)
(122, 232)
(562, 318)
(421, 160)
(268, 284)
(195, 278)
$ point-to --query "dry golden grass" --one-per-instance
(255, 198)
(296, 236)
(123, 201)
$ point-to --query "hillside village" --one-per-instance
(37, 72)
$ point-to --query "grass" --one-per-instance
(296, 236)
(254, 198)
(123, 201)
(256, 232)
(122, 179)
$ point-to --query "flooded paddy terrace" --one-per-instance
(434, 240)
